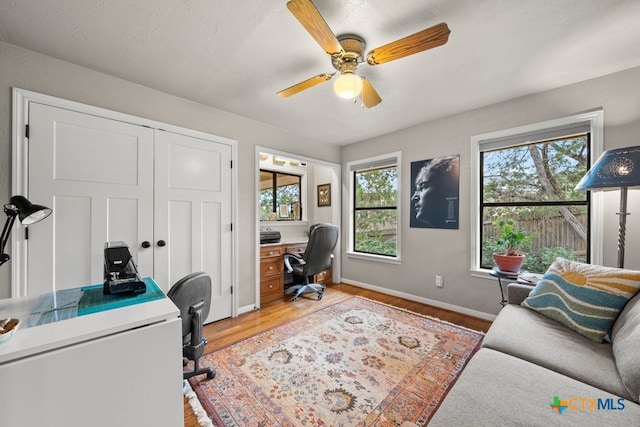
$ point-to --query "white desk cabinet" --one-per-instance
(120, 367)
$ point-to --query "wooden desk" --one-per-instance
(118, 367)
(272, 270)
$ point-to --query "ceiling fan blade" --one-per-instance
(370, 97)
(422, 40)
(307, 14)
(320, 78)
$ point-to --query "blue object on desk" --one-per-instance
(70, 303)
(94, 300)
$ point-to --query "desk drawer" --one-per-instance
(269, 267)
(294, 249)
(268, 286)
(323, 277)
(270, 251)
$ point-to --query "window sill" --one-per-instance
(372, 257)
(481, 273)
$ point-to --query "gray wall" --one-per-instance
(32, 71)
(427, 252)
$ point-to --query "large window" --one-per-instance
(280, 196)
(528, 175)
(374, 189)
(533, 184)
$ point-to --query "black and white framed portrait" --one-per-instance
(435, 190)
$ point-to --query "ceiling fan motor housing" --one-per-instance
(353, 55)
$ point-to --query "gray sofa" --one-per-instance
(527, 359)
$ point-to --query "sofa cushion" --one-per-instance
(584, 297)
(496, 389)
(625, 336)
(528, 335)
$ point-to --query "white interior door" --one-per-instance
(97, 176)
(193, 215)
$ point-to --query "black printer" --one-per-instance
(120, 272)
(269, 236)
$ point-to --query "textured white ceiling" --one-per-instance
(235, 55)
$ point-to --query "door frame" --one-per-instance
(336, 209)
(20, 178)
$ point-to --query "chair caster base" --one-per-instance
(211, 373)
(309, 287)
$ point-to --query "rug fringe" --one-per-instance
(196, 406)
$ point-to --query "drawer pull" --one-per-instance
(270, 286)
(270, 252)
(271, 267)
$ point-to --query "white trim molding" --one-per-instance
(349, 202)
(20, 162)
(594, 120)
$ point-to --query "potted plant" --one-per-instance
(511, 239)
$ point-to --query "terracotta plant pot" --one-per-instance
(510, 263)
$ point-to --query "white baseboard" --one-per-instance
(246, 309)
(410, 297)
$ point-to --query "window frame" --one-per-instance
(351, 167)
(509, 137)
(274, 180)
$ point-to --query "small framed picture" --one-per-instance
(324, 195)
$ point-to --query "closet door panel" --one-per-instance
(212, 235)
(97, 176)
(72, 248)
(196, 172)
(180, 241)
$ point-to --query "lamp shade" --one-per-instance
(614, 169)
(28, 213)
(348, 85)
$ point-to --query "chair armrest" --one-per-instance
(292, 257)
(517, 292)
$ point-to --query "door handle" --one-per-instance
(146, 244)
(162, 243)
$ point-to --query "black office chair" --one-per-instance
(192, 295)
(316, 258)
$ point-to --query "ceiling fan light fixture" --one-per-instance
(348, 86)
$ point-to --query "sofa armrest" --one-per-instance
(517, 292)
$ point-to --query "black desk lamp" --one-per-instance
(27, 212)
(615, 169)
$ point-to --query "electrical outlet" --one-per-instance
(439, 281)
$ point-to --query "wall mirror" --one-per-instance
(280, 197)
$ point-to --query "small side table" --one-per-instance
(509, 275)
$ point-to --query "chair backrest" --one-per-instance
(189, 292)
(322, 241)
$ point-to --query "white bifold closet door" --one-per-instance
(108, 180)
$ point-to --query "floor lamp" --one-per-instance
(615, 169)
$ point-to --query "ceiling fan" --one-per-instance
(347, 53)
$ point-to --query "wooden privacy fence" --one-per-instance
(548, 232)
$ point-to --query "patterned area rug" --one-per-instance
(357, 362)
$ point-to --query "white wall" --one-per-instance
(32, 71)
(427, 252)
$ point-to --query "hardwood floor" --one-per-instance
(228, 331)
